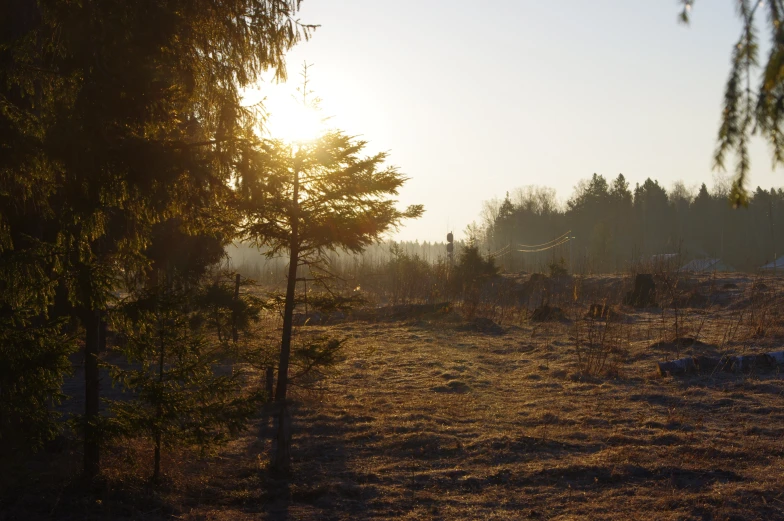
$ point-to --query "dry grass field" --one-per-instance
(438, 417)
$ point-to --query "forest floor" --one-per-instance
(439, 417)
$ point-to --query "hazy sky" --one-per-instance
(473, 99)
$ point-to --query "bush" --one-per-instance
(472, 269)
(469, 276)
(599, 346)
(408, 277)
(558, 269)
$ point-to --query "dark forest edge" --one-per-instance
(614, 225)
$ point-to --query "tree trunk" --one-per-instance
(91, 394)
(282, 456)
(218, 324)
(102, 332)
(156, 474)
(234, 335)
(288, 319)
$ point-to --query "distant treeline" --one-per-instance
(271, 271)
(614, 225)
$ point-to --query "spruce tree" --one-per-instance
(177, 397)
(310, 199)
(752, 93)
(114, 116)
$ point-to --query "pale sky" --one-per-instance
(473, 99)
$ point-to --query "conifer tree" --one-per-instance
(225, 310)
(33, 359)
(114, 116)
(471, 270)
(177, 397)
(751, 105)
(308, 200)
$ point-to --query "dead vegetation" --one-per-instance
(430, 416)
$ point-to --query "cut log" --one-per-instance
(678, 367)
(706, 364)
(777, 357)
(732, 364)
(749, 362)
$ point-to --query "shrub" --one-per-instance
(469, 276)
(408, 277)
(558, 269)
(472, 269)
(599, 346)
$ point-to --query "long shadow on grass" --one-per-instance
(334, 476)
(590, 477)
(46, 486)
(321, 483)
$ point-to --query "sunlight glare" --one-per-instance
(290, 121)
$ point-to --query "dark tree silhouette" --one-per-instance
(615, 228)
(114, 116)
(325, 196)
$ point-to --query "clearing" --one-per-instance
(437, 417)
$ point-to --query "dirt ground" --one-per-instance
(437, 417)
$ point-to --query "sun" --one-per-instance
(294, 123)
(289, 119)
(283, 111)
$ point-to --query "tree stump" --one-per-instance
(603, 312)
(644, 293)
(547, 313)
